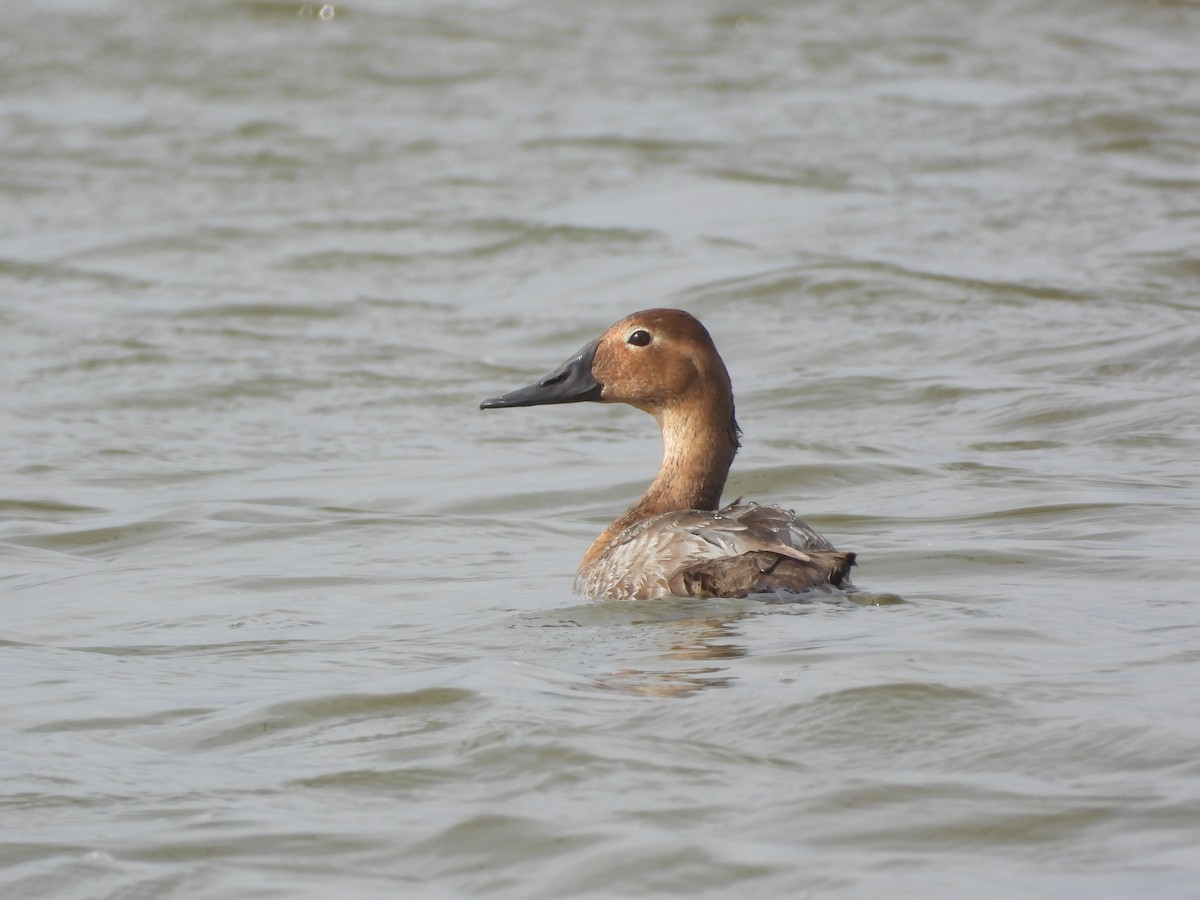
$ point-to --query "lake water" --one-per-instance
(284, 614)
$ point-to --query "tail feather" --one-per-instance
(762, 572)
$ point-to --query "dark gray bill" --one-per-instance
(572, 382)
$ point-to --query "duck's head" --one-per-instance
(656, 360)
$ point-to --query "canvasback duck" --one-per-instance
(675, 540)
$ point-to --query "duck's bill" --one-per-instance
(572, 382)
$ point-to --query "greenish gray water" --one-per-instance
(286, 615)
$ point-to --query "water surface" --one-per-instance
(286, 615)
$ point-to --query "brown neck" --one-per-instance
(698, 448)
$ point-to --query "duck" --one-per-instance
(677, 540)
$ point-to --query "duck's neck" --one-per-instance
(698, 448)
(697, 453)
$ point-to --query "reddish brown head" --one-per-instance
(659, 360)
(664, 362)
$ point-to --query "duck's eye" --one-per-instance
(639, 338)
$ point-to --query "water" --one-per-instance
(286, 615)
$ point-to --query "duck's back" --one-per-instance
(739, 550)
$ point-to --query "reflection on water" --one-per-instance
(688, 641)
(674, 635)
